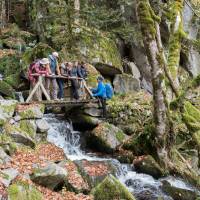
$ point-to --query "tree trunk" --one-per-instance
(77, 10)
(3, 14)
(147, 20)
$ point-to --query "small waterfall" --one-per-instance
(143, 186)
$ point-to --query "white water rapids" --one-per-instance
(143, 186)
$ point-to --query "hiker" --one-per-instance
(73, 74)
(40, 67)
(54, 70)
(109, 91)
(100, 92)
(63, 72)
(82, 72)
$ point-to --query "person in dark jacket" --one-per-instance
(63, 72)
(73, 73)
(82, 72)
(100, 92)
(54, 70)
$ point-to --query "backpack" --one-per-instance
(109, 91)
(31, 69)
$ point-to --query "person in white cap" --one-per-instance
(38, 67)
(54, 70)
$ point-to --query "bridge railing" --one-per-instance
(40, 85)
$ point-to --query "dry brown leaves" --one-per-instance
(95, 168)
(50, 152)
(3, 191)
(21, 108)
(74, 177)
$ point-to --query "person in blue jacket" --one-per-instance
(100, 93)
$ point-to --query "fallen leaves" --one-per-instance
(95, 168)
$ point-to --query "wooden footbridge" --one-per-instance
(85, 98)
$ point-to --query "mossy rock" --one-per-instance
(7, 144)
(29, 127)
(106, 137)
(32, 111)
(23, 191)
(110, 188)
(148, 165)
(92, 75)
(13, 80)
(7, 108)
(6, 89)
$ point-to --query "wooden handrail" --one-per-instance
(57, 77)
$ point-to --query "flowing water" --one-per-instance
(143, 186)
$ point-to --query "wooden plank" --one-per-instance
(87, 89)
(43, 89)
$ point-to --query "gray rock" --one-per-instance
(42, 126)
(50, 176)
(133, 70)
(106, 137)
(179, 190)
(95, 171)
(17, 118)
(94, 112)
(7, 108)
(148, 165)
(33, 111)
(7, 175)
(4, 158)
(124, 83)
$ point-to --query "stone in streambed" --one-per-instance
(147, 165)
(110, 188)
(179, 190)
(42, 126)
(95, 171)
(74, 182)
(106, 137)
(50, 176)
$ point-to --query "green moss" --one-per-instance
(23, 191)
(147, 19)
(13, 80)
(7, 89)
(28, 127)
(111, 188)
(7, 144)
(120, 136)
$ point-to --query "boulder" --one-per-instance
(106, 137)
(7, 175)
(6, 89)
(50, 176)
(32, 111)
(4, 158)
(179, 190)
(7, 144)
(95, 171)
(147, 165)
(111, 188)
(107, 69)
(132, 69)
(7, 108)
(125, 83)
(92, 75)
(18, 135)
(74, 181)
(23, 191)
(94, 112)
(42, 126)
(29, 127)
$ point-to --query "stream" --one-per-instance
(143, 186)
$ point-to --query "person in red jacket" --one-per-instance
(40, 67)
